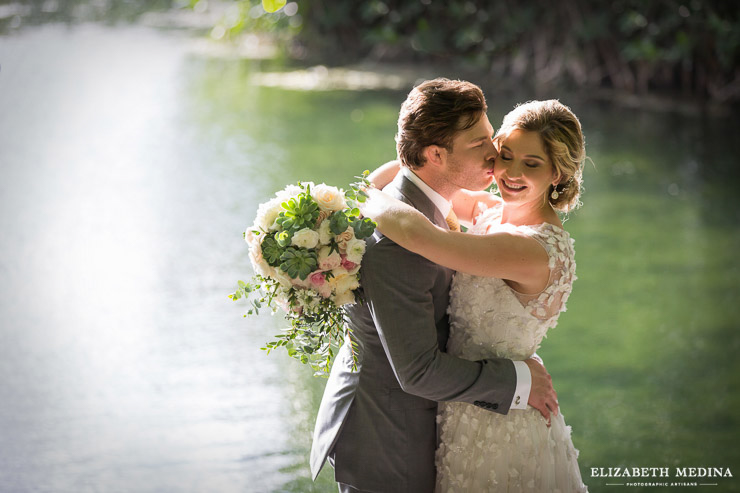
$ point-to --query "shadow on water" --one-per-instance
(124, 194)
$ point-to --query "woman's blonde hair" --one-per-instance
(563, 140)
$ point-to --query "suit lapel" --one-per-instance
(403, 189)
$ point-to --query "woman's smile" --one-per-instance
(511, 186)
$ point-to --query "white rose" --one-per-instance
(355, 250)
(305, 238)
(329, 259)
(288, 192)
(259, 264)
(325, 235)
(281, 277)
(344, 298)
(267, 213)
(329, 198)
(251, 238)
(343, 280)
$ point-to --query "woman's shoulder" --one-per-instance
(555, 240)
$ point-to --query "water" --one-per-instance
(130, 162)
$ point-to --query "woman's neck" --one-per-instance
(529, 214)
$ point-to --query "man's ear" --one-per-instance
(435, 155)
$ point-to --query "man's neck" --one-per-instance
(436, 183)
(440, 202)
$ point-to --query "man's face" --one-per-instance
(470, 163)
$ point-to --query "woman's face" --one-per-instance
(523, 170)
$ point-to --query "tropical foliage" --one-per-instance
(688, 48)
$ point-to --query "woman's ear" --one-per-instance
(435, 155)
(557, 178)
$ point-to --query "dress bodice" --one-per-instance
(488, 318)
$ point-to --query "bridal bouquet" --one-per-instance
(306, 247)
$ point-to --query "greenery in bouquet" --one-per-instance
(306, 247)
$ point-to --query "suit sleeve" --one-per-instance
(398, 286)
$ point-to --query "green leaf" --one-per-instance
(273, 5)
(338, 223)
(363, 228)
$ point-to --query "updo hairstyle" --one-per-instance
(563, 140)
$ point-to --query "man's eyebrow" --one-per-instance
(481, 137)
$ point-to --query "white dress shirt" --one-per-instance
(523, 375)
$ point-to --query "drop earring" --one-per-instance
(554, 195)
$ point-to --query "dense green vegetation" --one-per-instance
(686, 48)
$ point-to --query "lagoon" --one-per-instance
(131, 160)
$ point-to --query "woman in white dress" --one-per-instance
(515, 272)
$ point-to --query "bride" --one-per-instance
(514, 275)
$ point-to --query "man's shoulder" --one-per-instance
(386, 261)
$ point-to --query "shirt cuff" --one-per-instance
(523, 385)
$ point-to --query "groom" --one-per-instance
(377, 425)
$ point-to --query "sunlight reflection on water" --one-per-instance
(124, 365)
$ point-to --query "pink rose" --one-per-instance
(348, 264)
(320, 284)
(318, 278)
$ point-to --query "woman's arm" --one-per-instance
(465, 203)
(514, 257)
(385, 174)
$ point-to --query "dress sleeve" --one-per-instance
(550, 302)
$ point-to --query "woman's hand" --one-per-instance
(384, 174)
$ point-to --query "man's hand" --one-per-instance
(542, 396)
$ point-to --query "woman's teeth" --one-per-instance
(512, 186)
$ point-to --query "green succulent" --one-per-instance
(300, 212)
(298, 262)
(283, 238)
(272, 251)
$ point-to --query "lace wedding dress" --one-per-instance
(484, 451)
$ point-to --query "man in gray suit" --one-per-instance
(377, 425)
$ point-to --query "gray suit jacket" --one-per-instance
(380, 421)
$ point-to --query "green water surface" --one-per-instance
(645, 360)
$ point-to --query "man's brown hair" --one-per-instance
(433, 113)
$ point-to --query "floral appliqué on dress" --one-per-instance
(481, 450)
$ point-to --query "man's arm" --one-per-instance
(398, 285)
